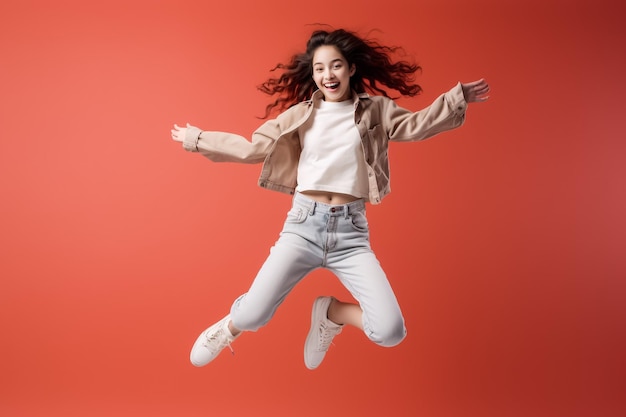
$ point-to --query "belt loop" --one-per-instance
(346, 210)
(312, 207)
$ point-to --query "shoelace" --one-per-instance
(327, 333)
(217, 341)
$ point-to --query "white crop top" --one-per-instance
(332, 157)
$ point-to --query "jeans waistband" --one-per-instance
(337, 210)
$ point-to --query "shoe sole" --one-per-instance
(311, 335)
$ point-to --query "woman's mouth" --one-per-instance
(331, 86)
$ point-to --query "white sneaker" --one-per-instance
(211, 342)
(321, 333)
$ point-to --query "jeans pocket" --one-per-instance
(359, 221)
(296, 215)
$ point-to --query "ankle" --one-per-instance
(345, 313)
(234, 332)
(331, 313)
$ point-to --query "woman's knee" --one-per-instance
(388, 334)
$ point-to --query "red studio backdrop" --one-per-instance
(504, 239)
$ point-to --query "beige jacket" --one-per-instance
(378, 119)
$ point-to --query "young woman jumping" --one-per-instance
(328, 148)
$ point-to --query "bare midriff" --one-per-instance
(329, 198)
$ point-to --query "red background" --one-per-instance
(504, 239)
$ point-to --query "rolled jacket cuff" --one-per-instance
(192, 136)
(456, 100)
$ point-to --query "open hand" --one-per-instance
(178, 133)
(476, 91)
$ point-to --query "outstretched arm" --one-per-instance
(476, 91)
(228, 147)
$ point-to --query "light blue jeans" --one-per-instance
(317, 235)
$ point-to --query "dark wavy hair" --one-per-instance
(374, 69)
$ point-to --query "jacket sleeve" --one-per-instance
(445, 113)
(229, 147)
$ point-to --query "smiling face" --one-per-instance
(332, 73)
